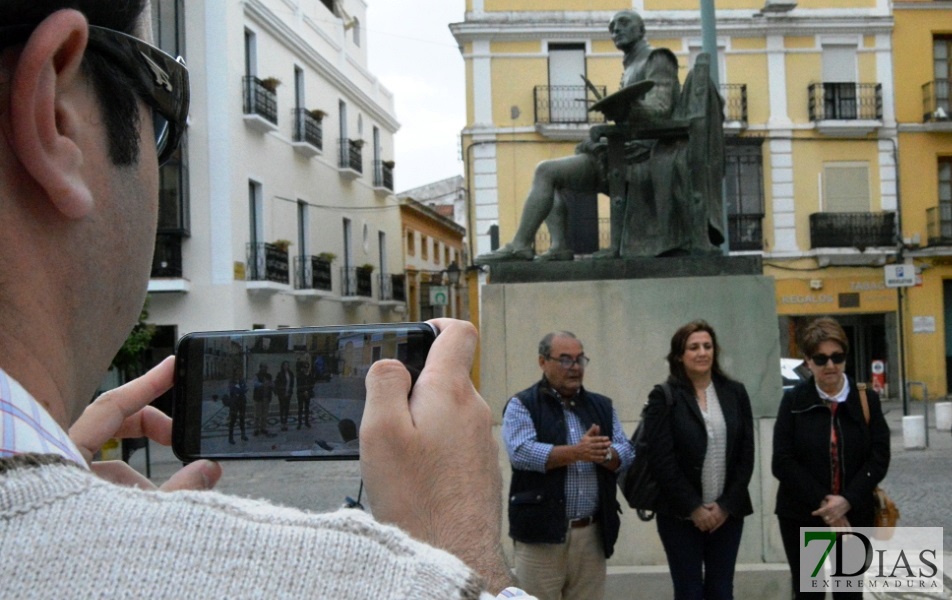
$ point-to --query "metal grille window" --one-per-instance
(744, 190)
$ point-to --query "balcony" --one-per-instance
(392, 289)
(383, 175)
(853, 230)
(746, 232)
(939, 224)
(312, 277)
(561, 111)
(356, 284)
(266, 267)
(350, 160)
(735, 107)
(936, 109)
(260, 105)
(846, 109)
(308, 138)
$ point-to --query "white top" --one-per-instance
(712, 473)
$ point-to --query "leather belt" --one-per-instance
(583, 522)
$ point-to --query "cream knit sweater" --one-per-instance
(65, 533)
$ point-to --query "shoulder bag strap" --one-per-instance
(861, 387)
(666, 388)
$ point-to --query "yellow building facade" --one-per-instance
(923, 43)
(814, 156)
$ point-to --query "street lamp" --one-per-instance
(452, 273)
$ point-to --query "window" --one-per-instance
(845, 187)
(411, 243)
(255, 212)
(567, 92)
(942, 71)
(348, 245)
(168, 25)
(436, 252)
(744, 193)
(298, 87)
(382, 251)
(424, 247)
(355, 25)
(302, 228)
(251, 54)
(839, 82)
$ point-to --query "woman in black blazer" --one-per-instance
(828, 460)
(702, 455)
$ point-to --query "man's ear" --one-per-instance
(45, 120)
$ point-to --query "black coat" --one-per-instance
(801, 453)
(678, 445)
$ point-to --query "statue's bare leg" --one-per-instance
(576, 172)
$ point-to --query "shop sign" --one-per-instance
(899, 275)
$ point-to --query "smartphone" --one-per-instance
(295, 394)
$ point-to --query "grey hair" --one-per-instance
(545, 345)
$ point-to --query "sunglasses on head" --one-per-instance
(160, 80)
(838, 358)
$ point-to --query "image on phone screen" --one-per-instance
(289, 393)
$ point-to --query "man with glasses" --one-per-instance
(565, 446)
(87, 113)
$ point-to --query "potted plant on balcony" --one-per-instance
(366, 267)
(327, 257)
(271, 83)
(282, 245)
(317, 114)
(389, 164)
(357, 143)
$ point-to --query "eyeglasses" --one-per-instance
(566, 362)
(838, 358)
(160, 80)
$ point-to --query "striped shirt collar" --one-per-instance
(26, 427)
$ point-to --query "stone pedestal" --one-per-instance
(626, 324)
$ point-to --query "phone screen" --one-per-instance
(283, 394)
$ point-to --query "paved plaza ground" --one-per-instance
(920, 481)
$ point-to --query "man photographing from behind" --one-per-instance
(87, 113)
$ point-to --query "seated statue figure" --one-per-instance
(639, 162)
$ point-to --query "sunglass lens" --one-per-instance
(838, 358)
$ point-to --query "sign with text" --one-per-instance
(874, 559)
(439, 295)
(900, 275)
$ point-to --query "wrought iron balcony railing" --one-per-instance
(939, 224)
(566, 104)
(351, 155)
(383, 174)
(312, 273)
(846, 101)
(167, 259)
(259, 100)
(746, 231)
(266, 262)
(307, 128)
(935, 101)
(356, 281)
(735, 102)
(852, 230)
(392, 287)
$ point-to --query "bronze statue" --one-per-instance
(660, 163)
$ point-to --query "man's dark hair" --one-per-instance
(545, 344)
(114, 89)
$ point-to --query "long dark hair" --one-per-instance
(679, 342)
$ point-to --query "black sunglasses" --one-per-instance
(160, 80)
(838, 358)
(566, 362)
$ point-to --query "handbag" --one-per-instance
(885, 511)
(637, 484)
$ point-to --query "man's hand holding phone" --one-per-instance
(125, 413)
(431, 465)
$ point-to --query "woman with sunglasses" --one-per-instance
(702, 455)
(827, 458)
